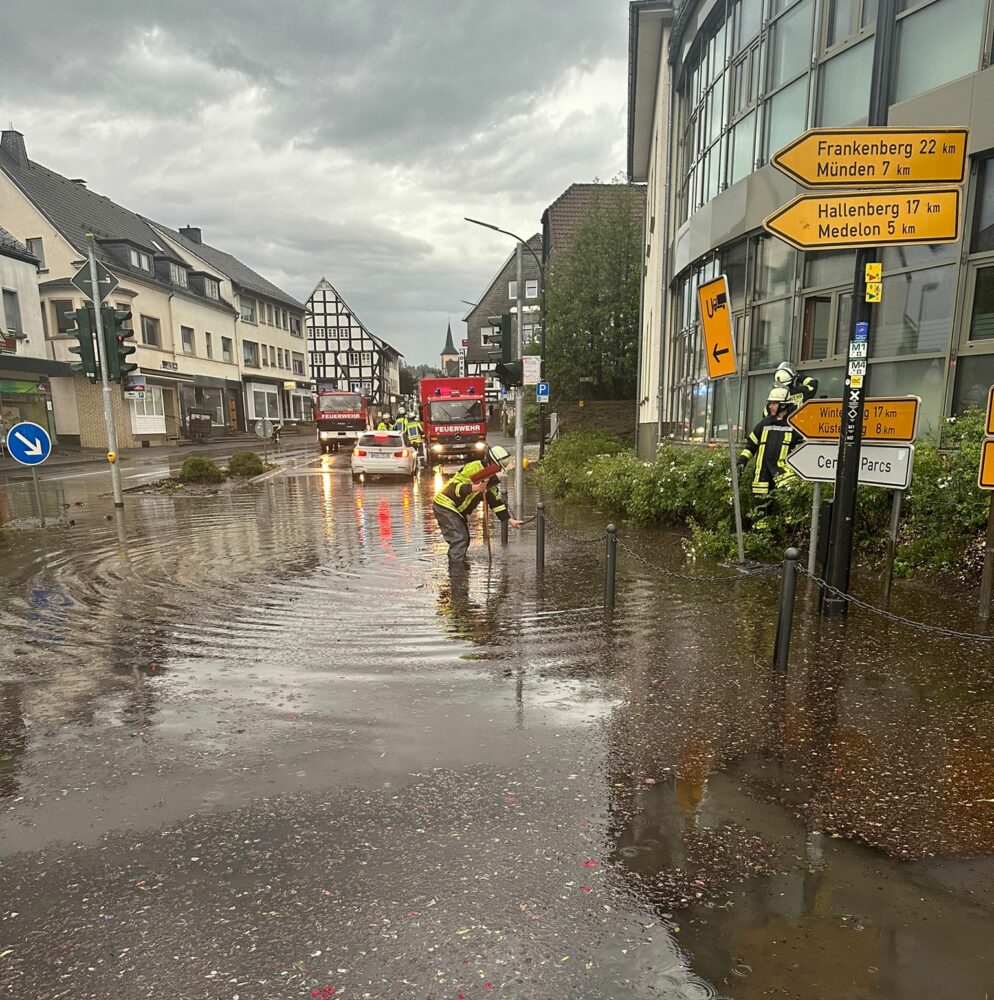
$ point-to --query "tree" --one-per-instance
(592, 301)
(410, 376)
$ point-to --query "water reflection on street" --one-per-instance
(529, 776)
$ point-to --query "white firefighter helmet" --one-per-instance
(778, 394)
(499, 455)
(784, 374)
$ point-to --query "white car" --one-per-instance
(383, 453)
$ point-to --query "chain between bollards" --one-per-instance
(610, 565)
(540, 537)
(785, 610)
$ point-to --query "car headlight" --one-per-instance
(325, 435)
(480, 445)
(436, 447)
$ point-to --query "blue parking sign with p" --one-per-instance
(542, 392)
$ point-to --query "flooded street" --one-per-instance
(261, 745)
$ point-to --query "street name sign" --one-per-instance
(886, 465)
(885, 418)
(871, 157)
(868, 218)
(541, 392)
(106, 282)
(716, 324)
(28, 443)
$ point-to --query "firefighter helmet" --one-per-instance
(500, 456)
(778, 394)
(784, 374)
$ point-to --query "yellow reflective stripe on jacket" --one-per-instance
(457, 494)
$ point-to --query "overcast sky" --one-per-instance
(344, 138)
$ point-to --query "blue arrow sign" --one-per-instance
(542, 392)
(28, 443)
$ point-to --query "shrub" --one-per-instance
(563, 469)
(198, 469)
(245, 463)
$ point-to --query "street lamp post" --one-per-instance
(519, 401)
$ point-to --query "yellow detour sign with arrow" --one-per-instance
(868, 218)
(870, 157)
(716, 324)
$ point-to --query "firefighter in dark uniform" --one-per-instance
(460, 496)
(771, 441)
(799, 388)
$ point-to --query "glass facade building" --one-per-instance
(745, 77)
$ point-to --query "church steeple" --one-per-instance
(450, 356)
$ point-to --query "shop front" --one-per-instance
(26, 390)
(219, 397)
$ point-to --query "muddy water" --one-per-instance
(446, 784)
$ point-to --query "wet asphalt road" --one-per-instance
(261, 745)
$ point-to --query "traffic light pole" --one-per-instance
(115, 471)
(519, 399)
(854, 395)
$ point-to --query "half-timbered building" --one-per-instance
(343, 351)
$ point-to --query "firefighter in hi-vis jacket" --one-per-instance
(771, 441)
(800, 388)
(463, 493)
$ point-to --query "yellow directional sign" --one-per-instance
(985, 479)
(872, 157)
(873, 271)
(990, 411)
(885, 418)
(716, 324)
(868, 218)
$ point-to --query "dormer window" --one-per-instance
(212, 289)
(177, 275)
(140, 260)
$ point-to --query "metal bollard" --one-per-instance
(503, 532)
(540, 537)
(610, 565)
(785, 610)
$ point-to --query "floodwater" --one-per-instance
(262, 745)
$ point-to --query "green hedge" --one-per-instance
(245, 463)
(198, 469)
(690, 486)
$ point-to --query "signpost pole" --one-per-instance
(735, 474)
(895, 520)
(987, 579)
(115, 471)
(850, 438)
(815, 524)
(519, 398)
(34, 480)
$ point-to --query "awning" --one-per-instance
(36, 366)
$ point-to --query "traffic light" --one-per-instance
(116, 337)
(510, 374)
(85, 346)
(501, 340)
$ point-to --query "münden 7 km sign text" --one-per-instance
(868, 218)
(870, 157)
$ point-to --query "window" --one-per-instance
(264, 355)
(916, 313)
(140, 260)
(974, 377)
(512, 289)
(295, 326)
(923, 63)
(186, 335)
(226, 350)
(11, 311)
(269, 314)
(151, 331)
(250, 354)
(770, 334)
(774, 268)
(843, 86)
(177, 275)
(367, 357)
(353, 359)
(789, 51)
(212, 288)
(151, 405)
(280, 358)
(209, 341)
(284, 322)
(743, 144)
(248, 310)
(298, 364)
(785, 115)
(62, 309)
(265, 403)
(531, 289)
(272, 356)
(36, 247)
(983, 221)
(815, 328)
(748, 17)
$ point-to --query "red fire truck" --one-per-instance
(340, 417)
(454, 417)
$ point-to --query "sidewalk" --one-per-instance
(69, 456)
